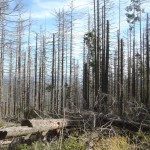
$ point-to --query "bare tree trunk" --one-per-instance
(71, 49)
(95, 48)
(53, 88)
(74, 87)
(98, 56)
(15, 84)
(28, 70)
(133, 68)
(39, 89)
(77, 86)
(121, 78)
(118, 72)
(28, 80)
(35, 73)
(62, 67)
(147, 63)
(66, 76)
(43, 71)
(105, 107)
(103, 57)
(141, 61)
(58, 68)
(129, 68)
(10, 94)
(24, 84)
(19, 67)
(2, 61)
(115, 81)
(143, 70)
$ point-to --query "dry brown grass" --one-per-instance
(114, 143)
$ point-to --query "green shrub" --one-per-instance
(73, 144)
(34, 146)
(23, 147)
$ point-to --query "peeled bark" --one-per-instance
(45, 124)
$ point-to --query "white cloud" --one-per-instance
(41, 15)
(35, 15)
(43, 8)
(47, 5)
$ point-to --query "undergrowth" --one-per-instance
(68, 144)
(94, 140)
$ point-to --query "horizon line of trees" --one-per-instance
(46, 76)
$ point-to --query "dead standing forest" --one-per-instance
(38, 71)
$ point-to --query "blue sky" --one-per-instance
(42, 12)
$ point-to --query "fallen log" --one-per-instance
(16, 131)
(43, 124)
(34, 126)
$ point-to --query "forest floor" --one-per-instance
(102, 138)
(94, 140)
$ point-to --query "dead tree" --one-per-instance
(147, 63)
(35, 72)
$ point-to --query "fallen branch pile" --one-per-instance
(125, 124)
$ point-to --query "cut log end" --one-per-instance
(26, 123)
(3, 135)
